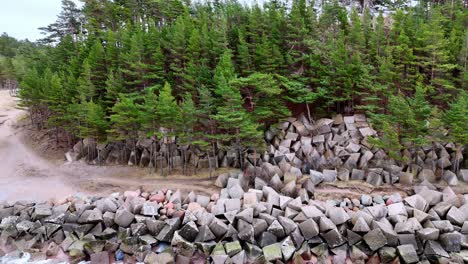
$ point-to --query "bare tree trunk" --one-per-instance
(308, 112)
(209, 164)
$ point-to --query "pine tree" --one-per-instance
(456, 119)
(244, 59)
(230, 113)
(169, 117)
(435, 59)
(114, 87)
(189, 120)
(86, 88)
(98, 68)
(125, 120)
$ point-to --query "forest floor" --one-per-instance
(32, 167)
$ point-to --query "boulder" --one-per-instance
(309, 229)
(464, 175)
(338, 215)
(329, 175)
(123, 217)
(222, 180)
(334, 238)
(450, 177)
(272, 252)
(408, 253)
(375, 239)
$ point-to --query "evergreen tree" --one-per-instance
(169, 117)
(456, 119)
(125, 120)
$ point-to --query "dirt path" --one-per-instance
(25, 175)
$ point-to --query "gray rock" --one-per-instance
(90, 216)
(259, 183)
(150, 209)
(42, 211)
(123, 217)
(377, 211)
(375, 239)
(374, 179)
(239, 257)
(326, 224)
(316, 177)
(366, 199)
(259, 226)
(266, 239)
(329, 175)
(406, 178)
(311, 211)
(276, 182)
(289, 189)
(222, 180)
(397, 209)
(455, 216)
(361, 226)
(433, 248)
(232, 205)
(464, 175)
(171, 225)
(232, 248)
(358, 174)
(138, 229)
(288, 225)
(108, 219)
(353, 148)
(450, 177)
(387, 254)
(428, 234)
(236, 191)
(309, 229)
(416, 201)
(352, 237)
(272, 252)
(246, 215)
(154, 226)
(107, 205)
(410, 226)
(284, 201)
(351, 163)
(218, 227)
(426, 174)
(189, 231)
(408, 253)
(432, 197)
(343, 174)
(338, 215)
(246, 231)
(287, 248)
(297, 237)
(232, 182)
(334, 238)
(276, 229)
(451, 241)
(443, 225)
(183, 247)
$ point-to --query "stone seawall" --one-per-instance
(340, 146)
(244, 223)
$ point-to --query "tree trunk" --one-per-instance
(209, 164)
(308, 112)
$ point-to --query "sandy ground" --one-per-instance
(26, 175)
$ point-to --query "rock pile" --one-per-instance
(243, 225)
(338, 148)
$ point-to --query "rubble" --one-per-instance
(259, 224)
